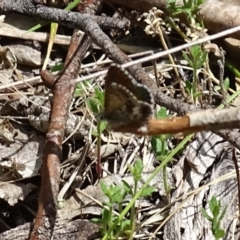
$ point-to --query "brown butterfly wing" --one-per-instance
(120, 76)
(122, 108)
(122, 104)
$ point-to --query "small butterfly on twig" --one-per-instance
(127, 102)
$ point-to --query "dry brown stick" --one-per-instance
(62, 95)
(63, 89)
(213, 119)
(71, 19)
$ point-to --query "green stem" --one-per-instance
(194, 83)
(132, 218)
(163, 151)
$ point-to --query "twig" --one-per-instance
(221, 64)
(238, 177)
(62, 95)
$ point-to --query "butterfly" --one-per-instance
(127, 102)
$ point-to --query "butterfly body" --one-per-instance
(126, 101)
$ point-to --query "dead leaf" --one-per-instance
(26, 159)
(7, 131)
(13, 192)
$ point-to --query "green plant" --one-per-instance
(195, 58)
(189, 8)
(226, 84)
(57, 67)
(215, 207)
(160, 147)
(116, 195)
(79, 90)
(232, 68)
(96, 104)
(136, 171)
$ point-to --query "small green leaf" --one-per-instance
(73, 4)
(156, 144)
(216, 211)
(102, 126)
(117, 194)
(93, 105)
(220, 233)
(226, 83)
(139, 166)
(136, 170)
(213, 203)
(100, 96)
(223, 213)
(78, 91)
(200, 59)
(147, 191)
(106, 215)
(204, 213)
(162, 113)
(197, 94)
(189, 87)
(103, 187)
(36, 27)
(95, 133)
(232, 68)
(96, 220)
(127, 187)
(215, 207)
(195, 50)
(126, 224)
(185, 56)
(58, 67)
